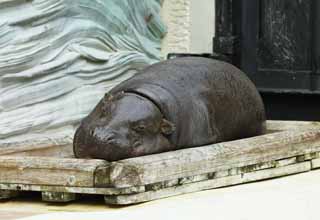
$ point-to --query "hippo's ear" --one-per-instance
(167, 127)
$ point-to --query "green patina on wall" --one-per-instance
(58, 57)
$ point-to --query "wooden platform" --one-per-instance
(290, 148)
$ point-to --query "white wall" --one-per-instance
(202, 17)
(190, 26)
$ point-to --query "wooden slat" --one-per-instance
(49, 171)
(217, 157)
(276, 126)
(243, 171)
(57, 151)
(8, 194)
(52, 144)
(70, 189)
(315, 163)
(58, 197)
(209, 184)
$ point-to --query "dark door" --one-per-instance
(277, 44)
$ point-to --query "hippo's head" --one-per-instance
(122, 126)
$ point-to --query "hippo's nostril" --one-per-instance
(110, 136)
(112, 142)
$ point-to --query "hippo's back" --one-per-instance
(208, 100)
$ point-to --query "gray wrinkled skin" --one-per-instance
(179, 103)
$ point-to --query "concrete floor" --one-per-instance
(295, 197)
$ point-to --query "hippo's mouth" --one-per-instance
(85, 146)
(81, 146)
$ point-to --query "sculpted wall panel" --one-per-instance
(59, 57)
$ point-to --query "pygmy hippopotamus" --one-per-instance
(178, 103)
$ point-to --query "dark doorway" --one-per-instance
(277, 44)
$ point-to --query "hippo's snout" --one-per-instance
(104, 142)
(104, 136)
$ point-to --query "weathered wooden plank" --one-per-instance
(209, 184)
(49, 171)
(315, 163)
(286, 162)
(7, 194)
(56, 144)
(58, 196)
(276, 126)
(311, 156)
(70, 189)
(63, 151)
(102, 176)
(213, 158)
(229, 172)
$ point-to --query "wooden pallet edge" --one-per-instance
(315, 163)
(43, 170)
(161, 185)
(60, 197)
(209, 184)
(57, 151)
(8, 194)
(64, 189)
(138, 194)
(223, 156)
(278, 125)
